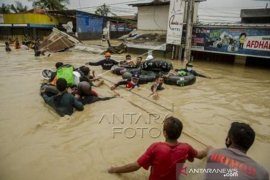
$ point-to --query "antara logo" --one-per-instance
(183, 171)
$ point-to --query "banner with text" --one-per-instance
(175, 22)
(249, 42)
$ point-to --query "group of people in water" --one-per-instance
(78, 82)
(68, 88)
(64, 93)
(25, 45)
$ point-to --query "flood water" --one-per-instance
(35, 143)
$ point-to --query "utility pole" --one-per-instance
(190, 13)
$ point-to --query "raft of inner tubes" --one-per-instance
(150, 65)
(49, 89)
(156, 66)
(180, 80)
(145, 76)
(120, 70)
(149, 70)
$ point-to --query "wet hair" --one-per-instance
(173, 127)
(59, 64)
(128, 56)
(6, 43)
(243, 34)
(241, 135)
(84, 88)
(85, 70)
(61, 84)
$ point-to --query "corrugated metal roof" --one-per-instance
(232, 25)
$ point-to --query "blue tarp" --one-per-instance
(89, 23)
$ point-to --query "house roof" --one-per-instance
(153, 3)
(156, 3)
(255, 13)
(74, 12)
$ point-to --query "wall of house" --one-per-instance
(26, 25)
(89, 27)
(29, 18)
(153, 17)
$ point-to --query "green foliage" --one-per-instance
(18, 7)
(104, 10)
(5, 8)
(50, 4)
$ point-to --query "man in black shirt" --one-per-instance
(106, 63)
(63, 102)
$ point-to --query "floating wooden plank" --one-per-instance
(58, 41)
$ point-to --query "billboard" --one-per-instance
(247, 42)
(175, 22)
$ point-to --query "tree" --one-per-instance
(104, 10)
(5, 8)
(50, 4)
(18, 8)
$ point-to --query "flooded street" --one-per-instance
(35, 143)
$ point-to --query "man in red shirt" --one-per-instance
(163, 156)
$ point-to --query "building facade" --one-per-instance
(26, 25)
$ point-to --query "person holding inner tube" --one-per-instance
(130, 83)
(86, 95)
(128, 61)
(63, 102)
(106, 63)
(163, 157)
(83, 74)
(53, 78)
(157, 86)
(139, 61)
(189, 70)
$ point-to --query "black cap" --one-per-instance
(136, 76)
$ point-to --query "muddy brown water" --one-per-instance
(35, 143)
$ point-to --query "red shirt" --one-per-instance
(163, 158)
(131, 84)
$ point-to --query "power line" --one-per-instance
(126, 2)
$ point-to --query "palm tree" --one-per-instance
(50, 4)
(4, 9)
(104, 10)
(18, 8)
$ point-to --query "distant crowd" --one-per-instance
(25, 45)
